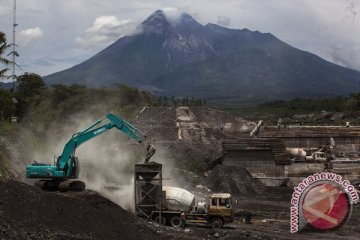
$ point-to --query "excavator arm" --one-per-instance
(96, 130)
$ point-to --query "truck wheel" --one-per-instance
(175, 221)
(157, 220)
(216, 223)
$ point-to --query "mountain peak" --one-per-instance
(156, 16)
(155, 23)
(163, 19)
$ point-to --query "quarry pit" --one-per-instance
(257, 171)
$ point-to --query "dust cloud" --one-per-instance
(169, 170)
(106, 162)
(106, 165)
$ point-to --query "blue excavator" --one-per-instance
(63, 175)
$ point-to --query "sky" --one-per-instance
(55, 35)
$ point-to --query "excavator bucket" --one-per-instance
(150, 151)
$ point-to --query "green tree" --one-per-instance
(62, 93)
(7, 106)
(30, 85)
(3, 61)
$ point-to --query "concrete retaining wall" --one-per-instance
(260, 162)
(304, 142)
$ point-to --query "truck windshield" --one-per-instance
(225, 202)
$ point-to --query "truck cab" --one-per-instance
(220, 209)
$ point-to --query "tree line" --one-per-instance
(31, 92)
(337, 104)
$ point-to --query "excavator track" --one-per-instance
(47, 185)
(72, 185)
(62, 186)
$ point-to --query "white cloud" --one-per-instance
(28, 35)
(172, 14)
(106, 21)
(105, 30)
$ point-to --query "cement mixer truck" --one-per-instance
(300, 155)
(164, 204)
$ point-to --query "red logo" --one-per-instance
(325, 206)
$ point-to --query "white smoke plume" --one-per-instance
(223, 21)
(173, 15)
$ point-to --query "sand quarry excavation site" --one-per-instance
(257, 171)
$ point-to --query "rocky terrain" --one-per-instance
(190, 137)
(191, 124)
(188, 145)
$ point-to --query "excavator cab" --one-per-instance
(74, 171)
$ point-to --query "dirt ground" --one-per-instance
(29, 213)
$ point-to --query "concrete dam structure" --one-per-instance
(266, 157)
